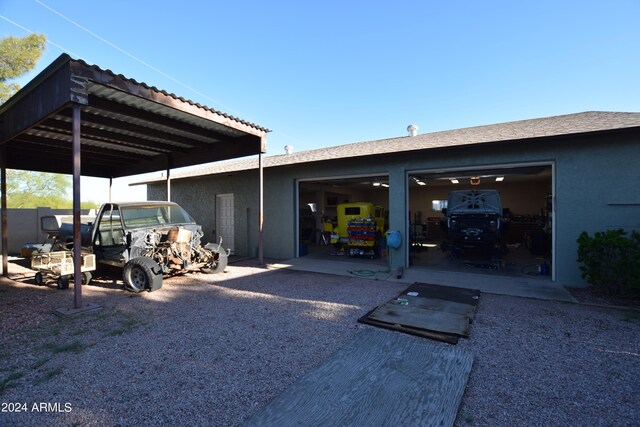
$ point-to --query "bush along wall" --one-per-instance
(610, 261)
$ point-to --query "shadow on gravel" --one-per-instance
(204, 349)
(213, 349)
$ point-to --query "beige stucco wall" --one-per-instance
(23, 226)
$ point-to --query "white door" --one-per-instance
(224, 220)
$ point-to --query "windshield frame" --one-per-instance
(154, 215)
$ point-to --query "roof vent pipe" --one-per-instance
(412, 129)
(288, 149)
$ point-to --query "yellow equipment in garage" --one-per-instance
(360, 225)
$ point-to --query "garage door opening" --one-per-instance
(328, 210)
(509, 236)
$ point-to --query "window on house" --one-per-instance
(438, 205)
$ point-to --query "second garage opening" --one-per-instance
(496, 220)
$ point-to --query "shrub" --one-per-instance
(610, 261)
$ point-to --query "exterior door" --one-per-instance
(224, 220)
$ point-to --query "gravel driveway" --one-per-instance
(212, 349)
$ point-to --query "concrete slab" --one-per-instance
(534, 287)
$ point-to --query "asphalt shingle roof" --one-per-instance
(570, 124)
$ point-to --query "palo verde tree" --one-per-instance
(26, 189)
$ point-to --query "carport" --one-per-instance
(78, 119)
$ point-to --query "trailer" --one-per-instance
(59, 266)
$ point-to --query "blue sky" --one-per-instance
(329, 73)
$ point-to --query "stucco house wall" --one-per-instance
(595, 184)
(198, 197)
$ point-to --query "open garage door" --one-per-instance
(509, 236)
(322, 205)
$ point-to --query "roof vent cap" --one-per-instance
(288, 149)
(412, 129)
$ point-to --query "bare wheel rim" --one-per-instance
(138, 278)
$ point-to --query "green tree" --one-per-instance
(27, 189)
(18, 55)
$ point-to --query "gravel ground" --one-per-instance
(547, 363)
(203, 350)
(212, 349)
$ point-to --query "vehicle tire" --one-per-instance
(63, 282)
(219, 265)
(39, 279)
(86, 278)
(142, 274)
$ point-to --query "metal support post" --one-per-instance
(260, 211)
(77, 240)
(3, 209)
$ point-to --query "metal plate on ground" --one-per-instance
(434, 320)
(432, 311)
(448, 293)
(440, 304)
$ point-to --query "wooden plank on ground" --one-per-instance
(396, 313)
(378, 379)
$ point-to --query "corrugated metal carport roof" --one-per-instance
(127, 127)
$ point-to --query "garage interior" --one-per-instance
(317, 210)
(526, 195)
